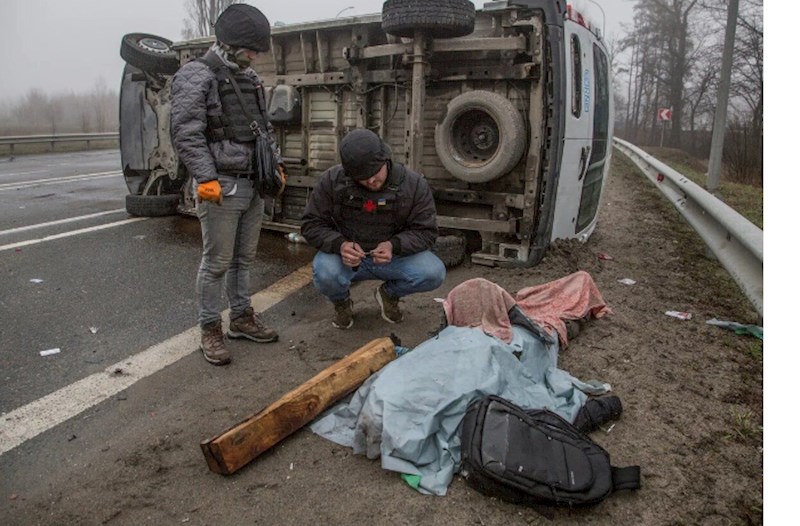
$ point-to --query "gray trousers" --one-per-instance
(230, 240)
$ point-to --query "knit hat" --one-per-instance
(363, 153)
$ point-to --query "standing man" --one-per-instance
(371, 218)
(215, 99)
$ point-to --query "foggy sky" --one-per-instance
(58, 46)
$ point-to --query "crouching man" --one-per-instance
(371, 219)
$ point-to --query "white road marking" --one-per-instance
(70, 233)
(23, 173)
(58, 180)
(30, 420)
(59, 222)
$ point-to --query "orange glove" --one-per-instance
(283, 178)
(210, 191)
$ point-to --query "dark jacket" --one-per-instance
(194, 98)
(402, 212)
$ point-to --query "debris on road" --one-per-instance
(48, 352)
(604, 256)
(36, 280)
(738, 328)
(93, 330)
(627, 281)
(680, 315)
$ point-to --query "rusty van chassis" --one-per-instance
(479, 115)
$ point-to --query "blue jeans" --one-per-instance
(230, 240)
(402, 276)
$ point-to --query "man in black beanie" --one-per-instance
(371, 218)
(217, 101)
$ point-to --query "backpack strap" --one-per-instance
(625, 478)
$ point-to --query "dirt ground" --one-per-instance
(691, 393)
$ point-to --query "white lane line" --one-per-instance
(70, 233)
(23, 173)
(30, 420)
(59, 222)
(58, 180)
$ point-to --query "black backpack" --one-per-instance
(535, 457)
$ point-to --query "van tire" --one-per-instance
(150, 53)
(450, 248)
(437, 18)
(152, 205)
(481, 136)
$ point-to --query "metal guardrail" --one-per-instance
(12, 141)
(736, 242)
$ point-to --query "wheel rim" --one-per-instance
(476, 137)
(154, 46)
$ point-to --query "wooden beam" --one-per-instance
(243, 442)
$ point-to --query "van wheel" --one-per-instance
(149, 53)
(437, 18)
(152, 205)
(481, 137)
(450, 248)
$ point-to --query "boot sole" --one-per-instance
(239, 335)
(343, 327)
(215, 361)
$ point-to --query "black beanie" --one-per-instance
(363, 153)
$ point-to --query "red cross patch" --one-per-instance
(370, 206)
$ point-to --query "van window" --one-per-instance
(575, 48)
(593, 180)
(601, 106)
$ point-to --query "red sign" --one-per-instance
(664, 114)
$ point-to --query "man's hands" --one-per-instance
(352, 253)
(382, 254)
(210, 191)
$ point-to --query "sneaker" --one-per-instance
(343, 318)
(247, 325)
(212, 343)
(390, 307)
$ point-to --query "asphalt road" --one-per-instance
(99, 295)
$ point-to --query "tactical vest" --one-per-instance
(368, 217)
(233, 124)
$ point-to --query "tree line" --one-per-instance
(671, 58)
(37, 113)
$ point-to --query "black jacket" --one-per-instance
(402, 212)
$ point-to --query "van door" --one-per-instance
(577, 130)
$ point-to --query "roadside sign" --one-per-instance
(664, 114)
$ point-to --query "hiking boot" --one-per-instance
(212, 343)
(390, 307)
(247, 325)
(343, 318)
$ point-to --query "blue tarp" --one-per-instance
(409, 413)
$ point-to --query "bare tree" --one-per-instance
(201, 16)
(102, 96)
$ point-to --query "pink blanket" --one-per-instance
(481, 303)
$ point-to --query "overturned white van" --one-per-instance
(507, 111)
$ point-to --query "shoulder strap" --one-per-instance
(625, 478)
(218, 67)
(253, 122)
(212, 61)
(397, 177)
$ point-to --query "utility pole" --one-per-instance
(721, 113)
